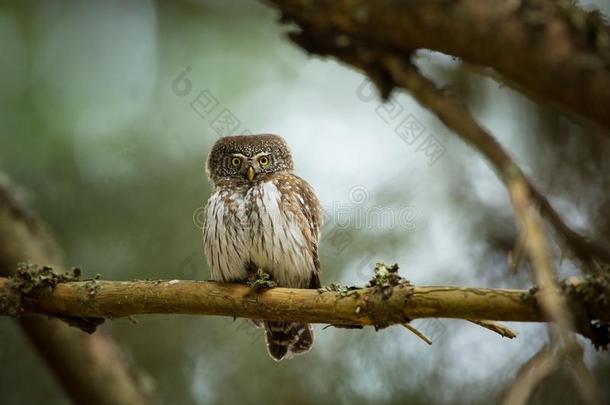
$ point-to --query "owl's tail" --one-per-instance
(285, 339)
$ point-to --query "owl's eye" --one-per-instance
(263, 161)
(235, 162)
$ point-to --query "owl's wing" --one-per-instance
(298, 196)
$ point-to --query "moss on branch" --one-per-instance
(378, 305)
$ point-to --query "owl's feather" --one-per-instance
(285, 339)
(271, 224)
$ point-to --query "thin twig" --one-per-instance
(495, 327)
(417, 333)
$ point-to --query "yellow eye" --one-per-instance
(263, 161)
(235, 161)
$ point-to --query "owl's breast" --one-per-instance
(226, 236)
(257, 226)
(275, 235)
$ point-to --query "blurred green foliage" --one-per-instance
(114, 158)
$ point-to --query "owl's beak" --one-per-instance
(250, 173)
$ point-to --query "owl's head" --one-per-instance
(248, 158)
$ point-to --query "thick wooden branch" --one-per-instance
(381, 305)
(534, 44)
(366, 306)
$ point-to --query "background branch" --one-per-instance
(552, 302)
(90, 368)
(530, 375)
(556, 40)
(389, 70)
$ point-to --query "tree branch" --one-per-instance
(530, 375)
(388, 69)
(379, 306)
(365, 306)
(552, 302)
(495, 327)
(535, 44)
(455, 115)
(90, 368)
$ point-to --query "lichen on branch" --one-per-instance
(388, 300)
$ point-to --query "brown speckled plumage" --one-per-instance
(262, 216)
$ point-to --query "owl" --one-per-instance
(261, 216)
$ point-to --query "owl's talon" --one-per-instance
(261, 281)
